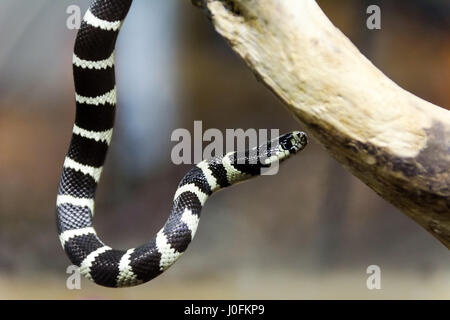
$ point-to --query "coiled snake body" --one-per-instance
(93, 66)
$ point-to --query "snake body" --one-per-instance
(93, 67)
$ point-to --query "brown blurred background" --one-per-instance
(309, 232)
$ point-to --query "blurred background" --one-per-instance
(309, 232)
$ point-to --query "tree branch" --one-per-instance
(395, 142)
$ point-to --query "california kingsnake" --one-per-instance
(93, 67)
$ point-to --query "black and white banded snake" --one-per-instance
(93, 67)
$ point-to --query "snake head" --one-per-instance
(285, 146)
(293, 141)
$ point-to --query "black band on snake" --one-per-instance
(93, 67)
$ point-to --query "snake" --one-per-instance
(95, 97)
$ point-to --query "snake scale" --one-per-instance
(93, 68)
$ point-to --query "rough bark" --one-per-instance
(395, 142)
